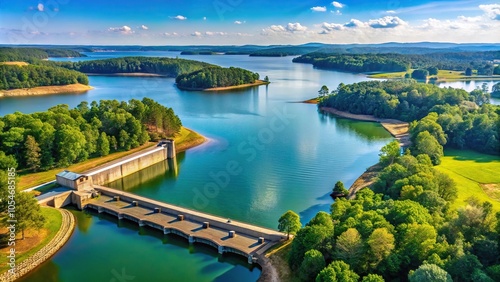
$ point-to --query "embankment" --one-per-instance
(46, 90)
(241, 86)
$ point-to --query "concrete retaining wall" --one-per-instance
(122, 169)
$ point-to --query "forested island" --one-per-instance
(217, 77)
(61, 136)
(168, 67)
(8, 54)
(393, 62)
(407, 224)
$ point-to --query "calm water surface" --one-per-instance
(289, 157)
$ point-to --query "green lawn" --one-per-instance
(24, 249)
(469, 170)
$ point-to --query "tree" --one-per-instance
(323, 219)
(425, 143)
(373, 278)
(420, 74)
(289, 222)
(339, 189)
(323, 91)
(32, 153)
(28, 213)
(389, 153)
(463, 267)
(433, 70)
(349, 247)
(429, 272)
(266, 79)
(468, 72)
(103, 144)
(381, 244)
(337, 271)
(312, 264)
(495, 92)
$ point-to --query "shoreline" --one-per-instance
(225, 88)
(398, 129)
(195, 140)
(47, 90)
(46, 252)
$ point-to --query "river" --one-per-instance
(289, 157)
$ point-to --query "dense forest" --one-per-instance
(215, 77)
(165, 66)
(15, 77)
(8, 54)
(68, 135)
(392, 62)
(468, 120)
(405, 230)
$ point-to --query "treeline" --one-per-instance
(215, 77)
(8, 54)
(15, 77)
(392, 62)
(165, 66)
(403, 230)
(465, 125)
(61, 136)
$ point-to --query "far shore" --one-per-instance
(46, 90)
(256, 83)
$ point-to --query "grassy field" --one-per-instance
(34, 239)
(476, 175)
(442, 75)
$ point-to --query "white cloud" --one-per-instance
(239, 22)
(124, 29)
(355, 23)
(338, 5)
(40, 7)
(180, 18)
(293, 27)
(318, 9)
(144, 27)
(329, 27)
(386, 22)
(196, 33)
(215, 33)
(392, 12)
(338, 12)
(492, 11)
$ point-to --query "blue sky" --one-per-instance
(223, 22)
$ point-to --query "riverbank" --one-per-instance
(46, 90)
(241, 86)
(187, 139)
(398, 129)
(43, 251)
(442, 76)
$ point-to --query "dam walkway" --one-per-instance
(225, 235)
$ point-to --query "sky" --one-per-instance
(240, 22)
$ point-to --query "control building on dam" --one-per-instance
(86, 191)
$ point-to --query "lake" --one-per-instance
(290, 157)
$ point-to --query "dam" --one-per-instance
(86, 191)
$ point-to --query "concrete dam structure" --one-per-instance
(86, 192)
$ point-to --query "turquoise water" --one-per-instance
(287, 156)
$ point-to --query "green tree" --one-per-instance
(312, 264)
(337, 271)
(495, 91)
(323, 219)
(373, 278)
(462, 268)
(349, 247)
(339, 189)
(433, 70)
(425, 143)
(429, 272)
(103, 144)
(468, 72)
(28, 213)
(266, 79)
(380, 243)
(420, 74)
(289, 222)
(32, 153)
(389, 153)
(323, 91)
